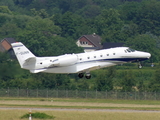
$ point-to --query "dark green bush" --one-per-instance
(38, 115)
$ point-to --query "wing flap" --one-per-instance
(37, 71)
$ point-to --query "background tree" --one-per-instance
(5, 9)
(89, 11)
(145, 14)
(8, 69)
(104, 79)
(109, 25)
(9, 3)
(72, 25)
(128, 81)
(38, 35)
(41, 13)
(9, 30)
(154, 85)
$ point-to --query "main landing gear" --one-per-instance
(81, 75)
(87, 75)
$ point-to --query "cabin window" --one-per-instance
(107, 54)
(80, 59)
(94, 56)
(88, 57)
(101, 55)
(114, 53)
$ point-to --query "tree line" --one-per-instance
(50, 28)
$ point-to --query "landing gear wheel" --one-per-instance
(139, 66)
(88, 76)
(80, 75)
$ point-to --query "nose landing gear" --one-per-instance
(139, 65)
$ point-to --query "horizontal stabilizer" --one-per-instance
(30, 59)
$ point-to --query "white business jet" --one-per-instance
(76, 63)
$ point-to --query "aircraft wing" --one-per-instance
(87, 66)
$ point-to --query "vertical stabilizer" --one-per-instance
(25, 57)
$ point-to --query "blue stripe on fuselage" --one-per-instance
(126, 59)
(118, 59)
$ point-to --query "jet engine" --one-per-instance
(65, 60)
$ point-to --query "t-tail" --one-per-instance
(26, 58)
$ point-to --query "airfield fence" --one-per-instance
(56, 93)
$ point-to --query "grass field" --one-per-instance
(25, 103)
(82, 115)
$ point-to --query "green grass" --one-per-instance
(80, 103)
(77, 100)
(82, 115)
(25, 103)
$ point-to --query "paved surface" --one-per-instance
(63, 109)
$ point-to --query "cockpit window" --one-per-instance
(130, 50)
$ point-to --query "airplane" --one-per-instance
(81, 63)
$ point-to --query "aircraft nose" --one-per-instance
(144, 56)
(148, 55)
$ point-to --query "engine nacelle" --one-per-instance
(65, 60)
